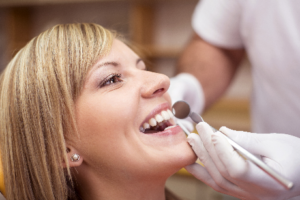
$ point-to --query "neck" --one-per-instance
(103, 187)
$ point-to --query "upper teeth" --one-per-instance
(164, 115)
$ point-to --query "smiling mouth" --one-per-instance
(158, 123)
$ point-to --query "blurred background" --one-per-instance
(160, 28)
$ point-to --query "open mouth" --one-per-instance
(158, 123)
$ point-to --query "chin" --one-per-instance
(187, 156)
(182, 156)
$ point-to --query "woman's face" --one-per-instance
(120, 97)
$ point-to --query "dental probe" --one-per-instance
(181, 110)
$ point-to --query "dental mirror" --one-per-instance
(181, 110)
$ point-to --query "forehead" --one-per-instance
(119, 52)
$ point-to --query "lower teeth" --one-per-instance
(170, 127)
(142, 129)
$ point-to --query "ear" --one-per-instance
(74, 157)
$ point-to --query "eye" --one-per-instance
(111, 79)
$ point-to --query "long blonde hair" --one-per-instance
(37, 93)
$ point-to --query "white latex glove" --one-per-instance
(227, 172)
(186, 87)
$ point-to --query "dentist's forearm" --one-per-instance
(214, 67)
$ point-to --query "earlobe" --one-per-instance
(74, 158)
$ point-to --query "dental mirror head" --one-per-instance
(181, 109)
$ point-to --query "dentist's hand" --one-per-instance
(186, 87)
(227, 172)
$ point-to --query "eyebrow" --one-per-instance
(115, 63)
(108, 63)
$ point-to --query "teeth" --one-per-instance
(170, 113)
(170, 127)
(152, 122)
(142, 129)
(146, 125)
(159, 118)
(156, 121)
(165, 115)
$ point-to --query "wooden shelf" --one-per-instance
(9, 3)
(233, 113)
(154, 52)
(140, 21)
(163, 52)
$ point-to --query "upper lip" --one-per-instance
(157, 110)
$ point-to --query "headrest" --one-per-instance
(2, 188)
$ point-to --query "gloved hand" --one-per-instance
(227, 172)
(186, 87)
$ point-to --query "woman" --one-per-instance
(81, 118)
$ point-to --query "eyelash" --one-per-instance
(109, 80)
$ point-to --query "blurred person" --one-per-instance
(268, 32)
(82, 118)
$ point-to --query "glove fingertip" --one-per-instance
(204, 127)
(198, 171)
(227, 131)
(193, 138)
(193, 168)
(224, 128)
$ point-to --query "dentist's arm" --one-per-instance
(214, 67)
(227, 172)
(205, 73)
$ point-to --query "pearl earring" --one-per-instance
(75, 157)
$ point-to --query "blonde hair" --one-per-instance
(37, 93)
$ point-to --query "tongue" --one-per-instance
(156, 129)
(149, 131)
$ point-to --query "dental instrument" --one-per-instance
(183, 128)
(181, 110)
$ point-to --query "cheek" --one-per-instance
(105, 111)
(168, 98)
(103, 123)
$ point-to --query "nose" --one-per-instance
(154, 85)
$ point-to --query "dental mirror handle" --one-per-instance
(183, 128)
(280, 179)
